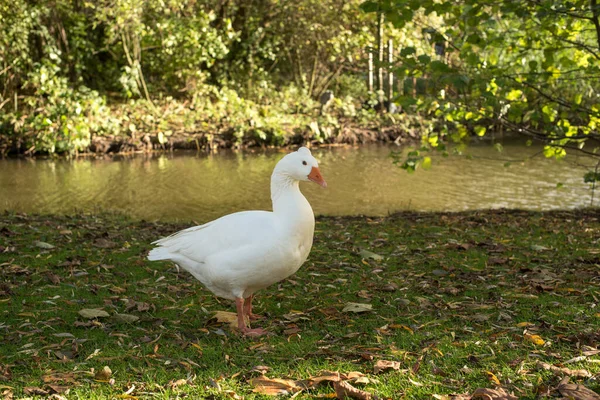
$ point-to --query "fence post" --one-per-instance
(370, 70)
(380, 58)
(390, 74)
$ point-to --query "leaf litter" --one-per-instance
(451, 299)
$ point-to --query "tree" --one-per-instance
(529, 66)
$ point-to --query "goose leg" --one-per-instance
(239, 305)
(248, 309)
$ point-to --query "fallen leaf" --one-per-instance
(64, 335)
(104, 243)
(261, 369)
(274, 387)
(357, 307)
(537, 247)
(103, 374)
(177, 383)
(493, 378)
(492, 394)
(57, 389)
(535, 339)
(125, 318)
(227, 317)
(439, 272)
(93, 313)
(384, 365)
(369, 254)
(324, 376)
(344, 390)
(400, 326)
(580, 373)
(35, 391)
(497, 260)
(53, 278)
(43, 245)
(67, 377)
(577, 392)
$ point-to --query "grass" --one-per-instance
(460, 301)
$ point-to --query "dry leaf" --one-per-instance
(400, 326)
(93, 313)
(577, 392)
(178, 382)
(384, 365)
(344, 390)
(103, 374)
(261, 369)
(493, 378)
(125, 318)
(369, 254)
(35, 391)
(104, 243)
(274, 387)
(357, 307)
(325, 376)
(43, 245)
(67, 377)
(493, 394)
(227, 318)
(580, 373)
(535, 339)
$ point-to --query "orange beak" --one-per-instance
(315, 176)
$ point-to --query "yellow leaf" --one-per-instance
(274, 387)
(524, 324)
(535, 339)
(227, 317)
(493, 378)
(197, 346)
(398, 326)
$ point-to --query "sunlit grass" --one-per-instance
(462, 301)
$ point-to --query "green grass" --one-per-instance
(454, 299)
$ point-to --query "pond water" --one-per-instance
(362, 180)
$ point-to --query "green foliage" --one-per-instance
(266, 62)
(531, 67)
(63, 118)
(591, 177)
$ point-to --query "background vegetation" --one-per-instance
(239, 72)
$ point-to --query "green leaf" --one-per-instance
(514, 94)
(426, 164)
(369, 6)
(480, 130)
(424, 59)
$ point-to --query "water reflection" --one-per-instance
(361, 181)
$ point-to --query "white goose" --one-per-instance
(240, 253)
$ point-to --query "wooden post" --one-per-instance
(370, 70)
(390, 74)
(380, 58)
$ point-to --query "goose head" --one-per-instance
(301, 166)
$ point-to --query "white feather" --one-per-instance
(240, 253)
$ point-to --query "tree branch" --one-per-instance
(595, 13)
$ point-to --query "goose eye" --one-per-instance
(304, 163)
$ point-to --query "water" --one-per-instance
(362, 180)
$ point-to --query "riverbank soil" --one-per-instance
(487, 303)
